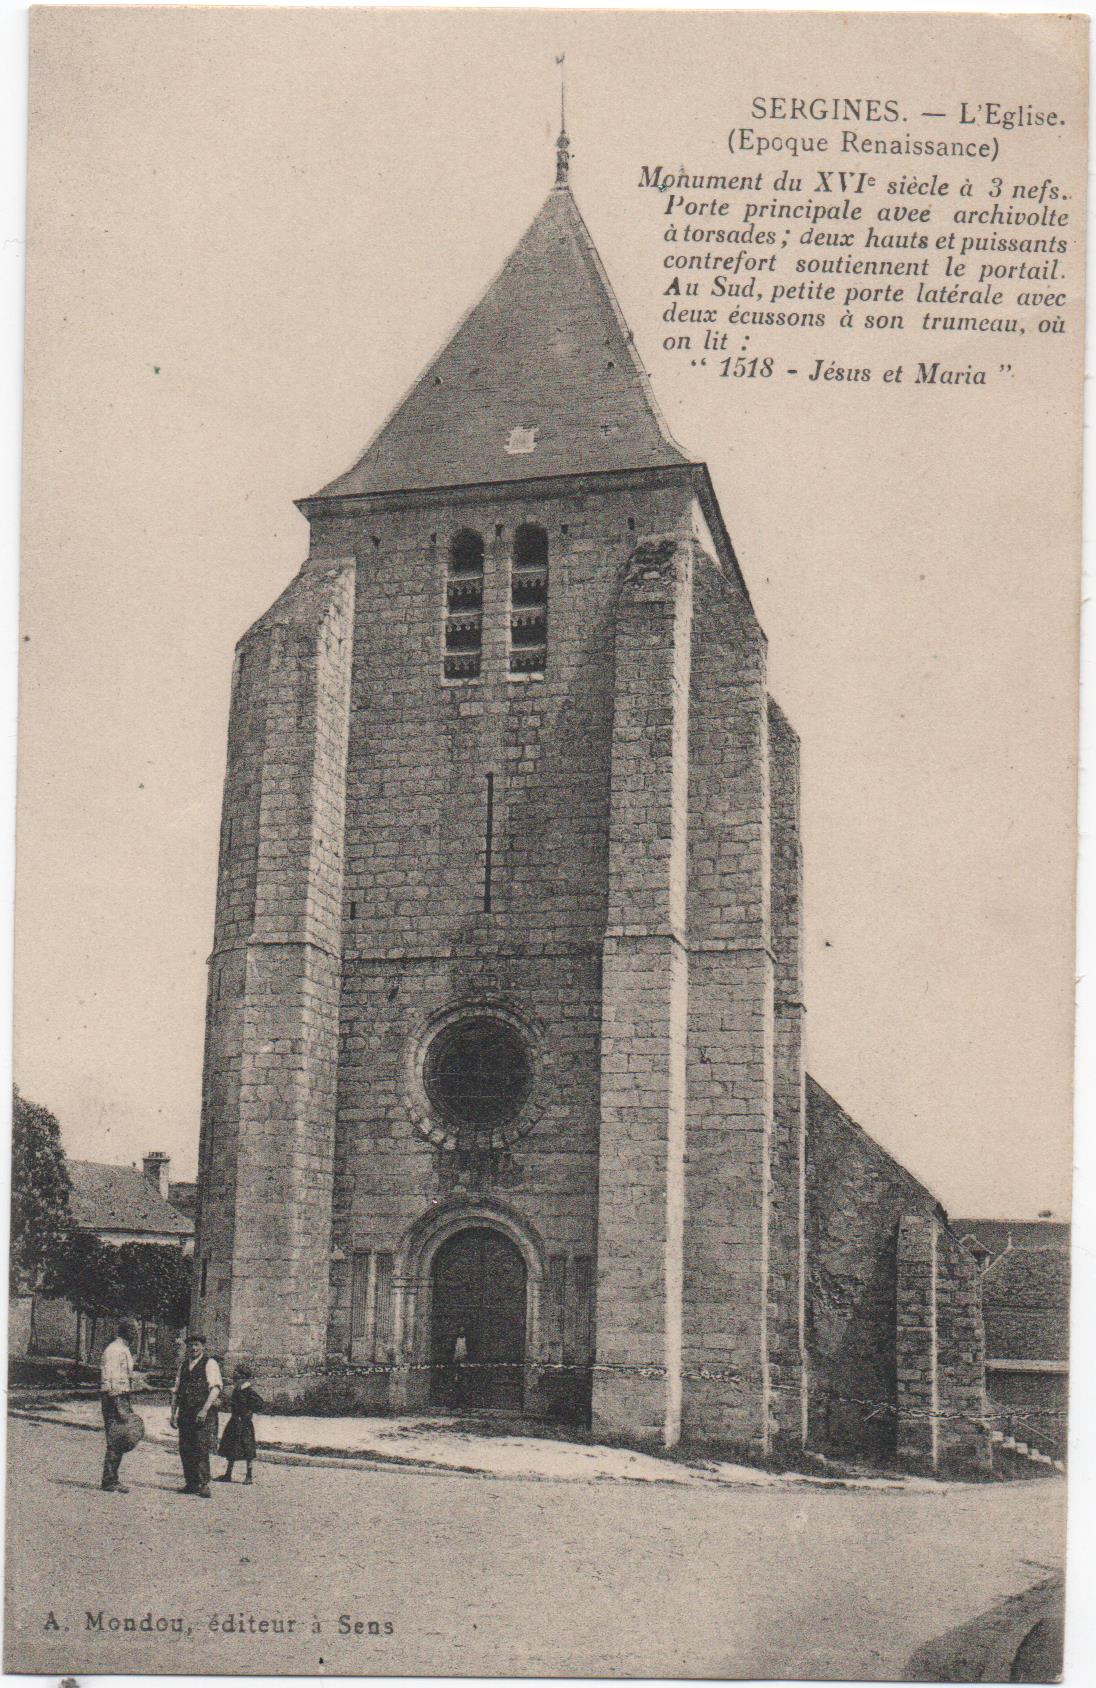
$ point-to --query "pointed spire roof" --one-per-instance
(541, 378)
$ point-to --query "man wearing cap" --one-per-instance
(194, 1409)
(116, 1387)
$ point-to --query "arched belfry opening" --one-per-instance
(464, 606)
(530, 546)
(529, 600)
(478, 1311)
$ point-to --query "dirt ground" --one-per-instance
(493, 1447)
(448, 1573)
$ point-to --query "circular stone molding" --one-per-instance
(473, 1078)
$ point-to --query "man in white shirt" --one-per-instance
(116, 1387)
(194, 1409)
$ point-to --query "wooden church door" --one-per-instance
(478, 1322)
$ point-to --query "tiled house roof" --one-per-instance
(121, 1198)
(1025, 1305)
(541, 378)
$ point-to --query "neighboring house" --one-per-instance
(1025, 1309)
(117, 1204)
(992, 1237)
(122, 1204)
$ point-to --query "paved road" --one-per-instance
(485, 1575)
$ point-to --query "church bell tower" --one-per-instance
(503, 1100)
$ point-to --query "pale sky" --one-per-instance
(249, 232)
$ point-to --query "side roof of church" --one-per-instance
(541, 378)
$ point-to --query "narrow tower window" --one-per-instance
(488, 843)
(584, 1307)
(529, 601)
(464, 606)
(383, 1326)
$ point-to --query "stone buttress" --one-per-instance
(645, 1007)
(265, 1157)
(700, 1298)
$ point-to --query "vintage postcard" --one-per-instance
(547, 778)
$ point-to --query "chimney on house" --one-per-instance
(157, 1167)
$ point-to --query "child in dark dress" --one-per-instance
(238, 1440)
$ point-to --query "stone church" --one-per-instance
(504, 1102)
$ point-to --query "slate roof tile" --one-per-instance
(545, 358)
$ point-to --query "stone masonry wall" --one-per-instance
(787, 1255)
(961, 1358)
(728, 1142)
(941, 1409)
(856, 1196)
(272, 1024)
(235, 914)
(894, 1338)
(637, 1382)
(417, 940)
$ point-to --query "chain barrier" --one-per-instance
(705, 1374)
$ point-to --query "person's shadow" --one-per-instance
(131, 1483)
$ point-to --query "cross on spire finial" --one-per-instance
(563, 144)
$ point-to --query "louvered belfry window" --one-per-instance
(529, 601)
(464, 606)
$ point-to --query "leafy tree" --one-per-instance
(88, 1273)
(155, 1282)
(41, 1223)
(147, 1281)
(143, 1281)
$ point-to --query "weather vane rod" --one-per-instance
(563, 145)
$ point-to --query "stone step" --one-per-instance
(1024, 1450)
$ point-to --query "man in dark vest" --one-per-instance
(194, 1409)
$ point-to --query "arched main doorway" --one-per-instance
(477, 1324)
